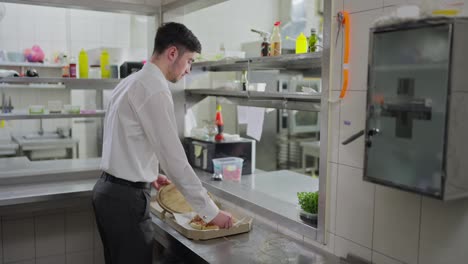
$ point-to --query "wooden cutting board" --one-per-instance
(167, 217)
(172, 200)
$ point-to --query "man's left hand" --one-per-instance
(160, 182)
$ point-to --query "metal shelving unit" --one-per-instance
(292, 101)
(31, 64)
(13, 116)
(304, 62)
(70, 83)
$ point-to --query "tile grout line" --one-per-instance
(3, 244)
(339, 134)
(420, 227)
(349, 240)
(350, 166)
(390, 257)
(94, 237)
(336, 201)
(35, 238)
(373, 226)
(65, 233)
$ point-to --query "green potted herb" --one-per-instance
(309, 204)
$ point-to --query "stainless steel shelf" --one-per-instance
(293, 101)
(303, 62)
(13, 116)
(32, 86)
(70, 83)
(31, 64)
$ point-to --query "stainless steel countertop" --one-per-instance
(24, 181)
(271, 194)
(22, 166)
(263, 244)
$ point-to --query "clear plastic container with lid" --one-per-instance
(230, 168)
(94, 72)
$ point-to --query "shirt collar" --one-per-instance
(154, 70)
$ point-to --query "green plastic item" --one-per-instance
(301, 44)
(313, 41)
(105, 70)
(83, 64)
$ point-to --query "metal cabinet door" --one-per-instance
(407, 108)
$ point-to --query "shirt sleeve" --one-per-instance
(157, 118)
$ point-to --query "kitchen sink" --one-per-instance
(46, 135)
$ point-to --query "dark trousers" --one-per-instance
(124, 221)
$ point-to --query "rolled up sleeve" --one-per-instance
(156, 115)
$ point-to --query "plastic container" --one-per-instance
(72, 67)
(301, 44)
(83, 64)
(313, 41)
(230, 168)
(71, 109)
(258, 87)
(105, 70)
(16, 56)
(95, 72)
(36, 109)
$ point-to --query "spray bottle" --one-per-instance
(265, 48)
(220, 124)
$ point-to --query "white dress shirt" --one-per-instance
(140, 132)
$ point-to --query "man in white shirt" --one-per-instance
(140, 133)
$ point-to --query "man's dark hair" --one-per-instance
(175, 34)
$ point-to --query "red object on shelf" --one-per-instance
(220, 124)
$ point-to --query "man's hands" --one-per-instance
(160, 182)
(223, 220)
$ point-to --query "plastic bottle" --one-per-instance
(83, 64)
(276, 40)
(313, 41)
(65, 68)
(265, 48)
(245, 80)
(105, 71)
(301, 44)
(219, 123)
(72, 67)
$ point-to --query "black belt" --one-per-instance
(140, 185)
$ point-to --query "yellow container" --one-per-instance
(301, 44)
(83, 64)
(105, 70)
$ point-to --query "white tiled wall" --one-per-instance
(54, 237)
(235, 22)
(48, 27)
(18, 239)
(355, 202)
(377, 223)
(63, 30)
(1, 243)
(50, 235)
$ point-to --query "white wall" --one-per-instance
(227, 23)
(230, 22)
(67, 30)
(374, 222)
